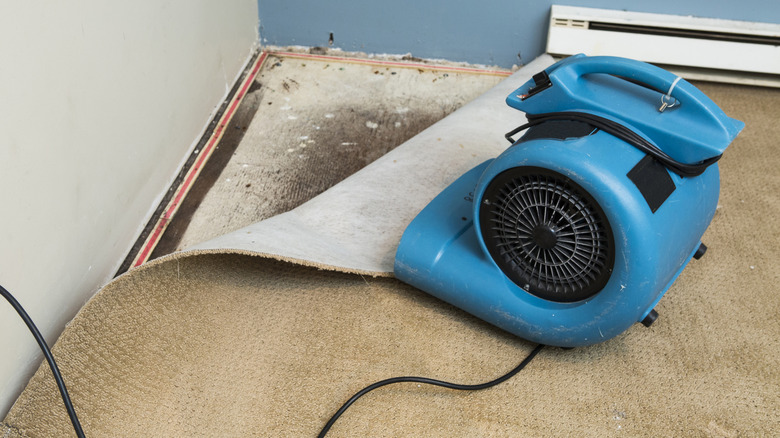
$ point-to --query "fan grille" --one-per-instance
(547, 234)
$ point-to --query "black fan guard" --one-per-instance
(547, 234)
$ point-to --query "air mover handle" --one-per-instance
(636, 71)
(570, 73)
(694, 131)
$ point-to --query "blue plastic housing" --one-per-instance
(442, 251)
(694, 129)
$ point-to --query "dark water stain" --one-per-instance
(339, 142)
(341, 146)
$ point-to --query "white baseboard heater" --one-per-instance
(692, 47)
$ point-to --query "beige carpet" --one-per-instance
(233, 345)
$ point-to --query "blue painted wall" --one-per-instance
(493, 32)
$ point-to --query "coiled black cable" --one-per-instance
(427, 381)
(49, 358)
(623, 133)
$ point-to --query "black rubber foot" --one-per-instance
(650, 318)
(700, 251)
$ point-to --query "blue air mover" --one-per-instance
(577, 230)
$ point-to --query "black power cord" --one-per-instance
(427, 381)
(623, 133)
(49, 358)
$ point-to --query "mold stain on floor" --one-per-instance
(305, 125)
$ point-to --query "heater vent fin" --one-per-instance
(770, 40)
(568, 22)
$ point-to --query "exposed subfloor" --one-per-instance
(304, 113)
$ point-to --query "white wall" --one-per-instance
(100, 103)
